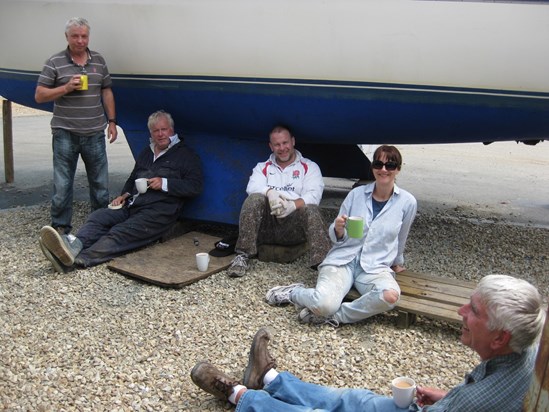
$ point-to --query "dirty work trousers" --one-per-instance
(110, 233)
(258, 227)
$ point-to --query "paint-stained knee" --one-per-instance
(390, 296)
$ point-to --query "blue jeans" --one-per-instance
(334, 282)
(287, 393)
(67, 147)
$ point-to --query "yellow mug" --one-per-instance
(83, 82)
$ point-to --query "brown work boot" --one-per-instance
(210, 379)
(260, 361)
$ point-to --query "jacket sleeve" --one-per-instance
(313, 185)
(129, 186)
(258, 181)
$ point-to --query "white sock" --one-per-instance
(270, 376)
(236, 389)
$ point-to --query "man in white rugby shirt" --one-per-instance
(282, 206)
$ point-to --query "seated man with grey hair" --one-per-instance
(133, 220)
(502, 323)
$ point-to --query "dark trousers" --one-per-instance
(110, 233)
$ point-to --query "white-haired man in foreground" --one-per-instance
(502, 323)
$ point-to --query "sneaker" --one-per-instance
(259, 361)
(280, 295)
(63, 247)
(56, 263)
(306, 316)
(210, 379)
(238, 266)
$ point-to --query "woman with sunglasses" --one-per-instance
(368, 263)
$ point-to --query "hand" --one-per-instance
(120, 200)
(73, 84)
(288, 207)
(154, 183)
(428, 396)
(398, 268)
(112, 132)
(275, 201)
(339, 226)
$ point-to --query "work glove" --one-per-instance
(275, 201)
(288, 207)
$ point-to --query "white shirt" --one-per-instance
(173, 141)
(301, 179)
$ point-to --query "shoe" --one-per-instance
(210, 379)
(56, 263)
(280, 295)
(238, 266)
(63, 247)
(259, 361)
(306, 316)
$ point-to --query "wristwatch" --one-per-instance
(112, 121)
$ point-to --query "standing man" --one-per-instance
(133, 220)
(282, 206)
(79, 122)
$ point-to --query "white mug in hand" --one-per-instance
(403, 391)
(141, 185)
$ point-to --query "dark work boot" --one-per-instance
(260, 361)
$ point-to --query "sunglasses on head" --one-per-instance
(378, 164)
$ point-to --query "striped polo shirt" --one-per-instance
(81, 111)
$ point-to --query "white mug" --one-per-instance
(141, 185)
(403, 391)
(202, 261)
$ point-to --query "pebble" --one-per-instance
(95, 340)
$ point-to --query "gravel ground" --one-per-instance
(94, 340)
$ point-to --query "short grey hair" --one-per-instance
(513, 305)
(76, 22)
(153, 119)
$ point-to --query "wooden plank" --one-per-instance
(435, 278)
(8, 141)
(433, 295)
(436, 310)
(171, 263)
(434, 287)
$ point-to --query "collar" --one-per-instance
(369, 188)
(68, 54)
(486, 367)
(173, 141)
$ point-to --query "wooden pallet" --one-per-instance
(171, 263)
(427, 295)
